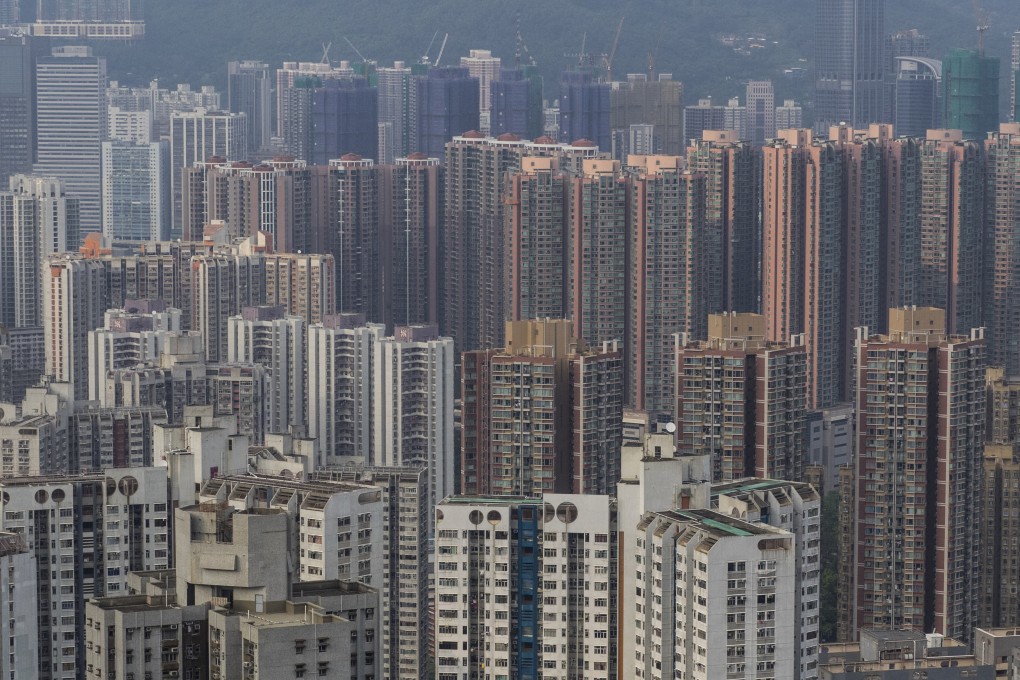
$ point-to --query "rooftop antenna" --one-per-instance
(360, 55)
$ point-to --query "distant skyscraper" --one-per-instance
(952, 228)
(585, 109)
(18, 53)
(516, 103)
(196, 136)
(658, 103)
(486, 68)
(917, 106)
(396, 92)
(919, 574)
(249, 92)
(850, 63)
(344, 120)
(570, 411)
(970, 100)
(447, 102)
(911, 43)
(71, 115)
(789, 115)
(37, 220)
(707, 116)
(74, 300)
(761, 111)
(136, 191)
(1014, 78)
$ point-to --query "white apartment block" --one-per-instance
(74, 300)
(526, 588)
(126, 339)
(276, 341)
(412, 402)
(340, 370)
(336, 527)
(92, 529)
(405, 589)
(19, 608)
(717, 598)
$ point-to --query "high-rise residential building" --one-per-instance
(396, 89)
(222, 285)
(345, 120)
(447, 104)
(743, 399)
(61, 518)
(406, 624)
(136, 191)
(268, 336)
(249, 91)
(128, 337)
(128, 125)
(667, 275)
(563, 544)
(37, 220)
(515, 103)
(302, 74)
(761, 111)
(412, 190)
(658, 103)
(970, 100)
(732, 247)
(999, 603)
(585, 109)
(18, 52)
(296, 130)
(19, 598)
(597, 288)
(281, 198)
(803, 255)
(952, 228)
(538, 209)
(915, 501)
(412, 406)
(486, 68)
(692, 559)
(850, 63)
(198, 135)
(302, 283)
(71, 123)
(1002, 287)
(570, 406)
(354, 238)
(103, 437)
(917, 103)
(830, 443)
(340, 370)
(74, 300)
(708, 116)
(1003, 398)
(474, 305)
(789, 115)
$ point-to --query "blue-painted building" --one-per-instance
(447, 100)
(345, 117)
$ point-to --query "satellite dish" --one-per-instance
(670, 427)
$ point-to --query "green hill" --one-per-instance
(191, 40)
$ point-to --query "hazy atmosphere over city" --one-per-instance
(538, 340)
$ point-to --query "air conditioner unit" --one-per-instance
(173, 626)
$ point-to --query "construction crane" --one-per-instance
(425, 57)
(442, 48)
(356, 51)
(982, 25)
(325, 53)
(607, 60)
(521, 49)
(585, 60)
